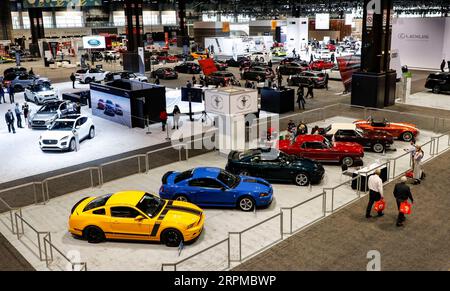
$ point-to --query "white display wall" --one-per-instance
(297, 34)
(422, 42)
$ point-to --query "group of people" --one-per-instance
(11, 117)
(301, 97)
(176, 114)
(11, 92)
(402, 192)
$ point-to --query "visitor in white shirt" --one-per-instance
(375, 185)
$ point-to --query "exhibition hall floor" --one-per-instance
(429, 99)
(148, 256)
(341, 242)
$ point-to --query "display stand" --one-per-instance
(231, 104)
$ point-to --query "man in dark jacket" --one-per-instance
(9, 118)
(310, 92)
(402, 193)
(73, 78)
(443, 65)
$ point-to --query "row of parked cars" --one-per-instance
(175, 217)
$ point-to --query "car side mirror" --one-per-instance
(139, 218)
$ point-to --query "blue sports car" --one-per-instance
(215, 187)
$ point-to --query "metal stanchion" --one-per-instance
(148, 126)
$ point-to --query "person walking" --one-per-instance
(443, 65)
(2, 94)
(18, 115)
(163, 118)
(402, 193)
(188, 84)
(327, 78)
(375, 185)
(176, 117)
(157, 81)
(294, 53)
(26, 111)
(301, 98)
(412, 151)
(11, 93)
(194, 80)
(9, 118)
(72, 78)
(418, 156)
(310, 92)
(280, 80)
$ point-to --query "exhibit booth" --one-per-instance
(237, 46)
(128, 102)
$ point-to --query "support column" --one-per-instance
(5, 21)
(182, 37)
(37, 29)
(373, 86)
(134, 25)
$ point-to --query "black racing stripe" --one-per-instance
(185, 209)
(170, 203)
(163, 213)
(155, 229)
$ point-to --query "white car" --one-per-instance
(261, 57)
(114, 55)
(322, 54)
(88, 76)
(125, 75)
(61, 136)
(40, 93)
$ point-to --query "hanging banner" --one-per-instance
(274, 24)
(208, 66)
(60, 3)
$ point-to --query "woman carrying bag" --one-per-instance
(176, 117)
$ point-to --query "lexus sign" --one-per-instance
(420, 37)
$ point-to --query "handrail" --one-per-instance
(47, 240)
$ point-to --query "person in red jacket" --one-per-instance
(163, 118)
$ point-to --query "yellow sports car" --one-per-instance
(136, 215)
(199, 56)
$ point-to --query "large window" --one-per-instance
(119, 18)
(168, 18)
(151, 17)
(48, 19)
(69, 19)
(209, 17)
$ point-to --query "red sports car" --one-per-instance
(400, 130)
(331, 47)
(319, 148)
(321, 65)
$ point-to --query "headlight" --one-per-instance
(65, 138)
(190, 226)
(264, 195)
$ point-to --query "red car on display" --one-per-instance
(321, 65)
(331, 47)
(165, 57)
(400, 130)
(319, 148)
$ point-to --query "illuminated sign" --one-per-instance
(60, 3)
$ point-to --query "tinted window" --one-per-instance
(23, 77)
(99, 211)
(183, 176)
(97, 202)
(124, 212)
(205, 183)
(313, 145)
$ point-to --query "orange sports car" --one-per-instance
(400, 130)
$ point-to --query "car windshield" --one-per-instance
(150, 204)
(228, 179)
(328, 128)
(327, 143)
(360, 132)
(63, 125)
(49, 108)
(42, 88)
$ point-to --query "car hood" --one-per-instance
(182, 212)
(45, 93)
(43, 116)
(254, 185)
(348, 147)
(55, 134)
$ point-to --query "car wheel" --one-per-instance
(302, 179)
(436, 89)
(261, 60)
(347, 161)
(92, 133)
(94, 235)
(171, 237)
(87, 80)
(72, 145)
(181, 198)
(378, 148)
(407, 136)
(244, 173)
(246, 204)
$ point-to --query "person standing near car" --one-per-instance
(310, 92)
(402, 193)
(11, 93)
(157, 81)
(9, 118)
(26, 111)
(375, 185)
(327, 77)
(280, 80)
(418, 156)
(2, 94)
(301, 97)
(443, 65)
(176, 117)
(163, 118)
(18, 115)
(72, 78)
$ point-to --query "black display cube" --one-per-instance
(131, 61)
(368, 89)
(391, 86)
(277, 101)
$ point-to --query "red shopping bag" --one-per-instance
(380, 205)
(405, 207)
(410, 174)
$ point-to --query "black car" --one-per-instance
(15, 70)
(275, 166)
(188, 68)
(221, 65)
(293, 68)
(318, 79)
(438, 82)
(252, 73)
(289, 60)
(165, 74)
(241, 62)
(220, 78)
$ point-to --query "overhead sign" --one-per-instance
(94, 42)
(60, 3)
(322, 21)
